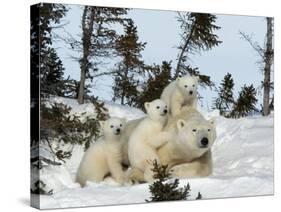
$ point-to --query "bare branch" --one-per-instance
(254, 45)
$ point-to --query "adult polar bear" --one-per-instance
(188, 154)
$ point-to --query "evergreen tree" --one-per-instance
(245, 103)
(98, 41)
(225, 98)
(39, 188)
(129, 48)
(52, 71)
(57, 123)
(158, 79)
(161, 190)
(51, 68)
(197, 35)
(71, 89)
(46, 77)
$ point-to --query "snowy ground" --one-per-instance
(243, 166)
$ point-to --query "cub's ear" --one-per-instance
(197, 78)
(212, 121)
(181, 124)
(146, 105)
(101, 123)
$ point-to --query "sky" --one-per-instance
(160, 30)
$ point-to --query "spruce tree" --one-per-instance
(52, 71)
(225, 99)
(129, 48)
(39, 188)
(161, 190)
(158, 78)
(197, 34)
(245, 104)
(57, 123)
(51, 68)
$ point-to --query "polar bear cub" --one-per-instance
(104, 156)
(147, 137)
(181, 92)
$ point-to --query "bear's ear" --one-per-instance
(146, 105)
(212, 121)
(197, 78)
(181, 124)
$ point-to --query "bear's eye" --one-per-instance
(158, 107)
(194, 130)
(166, 106)
(185, 86)
(193, 85)
(209, 130)
(120, 125)
(111, 126)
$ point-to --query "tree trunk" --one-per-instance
(81, 86)
(268, 56)
(87, 28)
(183, 51)
(122, 99)
(125, 76)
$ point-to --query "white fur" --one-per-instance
(181, 92)
(104, 156)
(147, 137)
(183, 157)
(130, 126)
(185, 153)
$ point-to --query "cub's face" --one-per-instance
(157, 109)
(188, 85)
(198, 137)
(112, 127)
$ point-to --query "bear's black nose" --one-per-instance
(118, 130)
(190, 92)
(165, 111)
(204, 142)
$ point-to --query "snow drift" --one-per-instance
(242, 159)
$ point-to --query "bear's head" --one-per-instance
(112, 127)
(197, 136)
(156, 110)
(188, 86)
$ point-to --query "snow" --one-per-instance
(88, 109)
(242, 162)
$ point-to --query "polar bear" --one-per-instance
(104, 156)
(181, 92)
(147, 137)
(188, 149)
(189, 153)
(129, 127)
